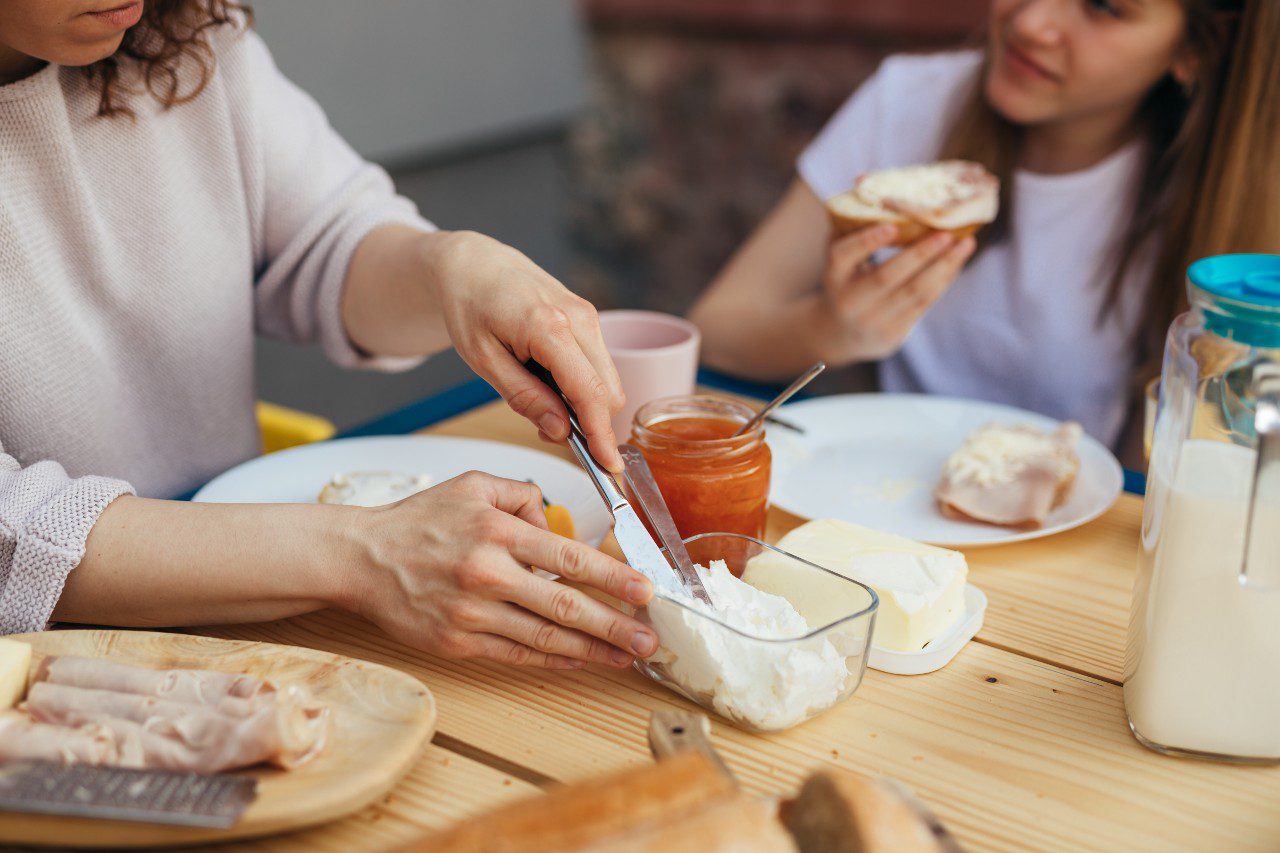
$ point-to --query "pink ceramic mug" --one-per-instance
(656, 355)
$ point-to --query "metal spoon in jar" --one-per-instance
(791, 390)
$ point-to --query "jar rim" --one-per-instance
(737, 410)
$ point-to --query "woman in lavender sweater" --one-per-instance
(165, 192)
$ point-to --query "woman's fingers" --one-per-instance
(907, 304)
(846, 254)
(586, 330)
(522, 391)
(558, 350)
(523, 500)
(580, 563)
(506, 650)
(546, 636)
(572, 608)
(899, 269)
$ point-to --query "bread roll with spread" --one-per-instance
(955, 195)
(372, 488)
(1012, 476)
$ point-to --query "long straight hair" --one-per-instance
(1211, 181)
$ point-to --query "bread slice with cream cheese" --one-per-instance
(954, 195)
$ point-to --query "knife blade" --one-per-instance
(125, 793)
(637, 545)
(645, 488)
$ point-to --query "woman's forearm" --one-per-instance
(390, 304)
(153, 563)
(763, 316)
(769, 343)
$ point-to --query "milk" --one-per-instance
(1202, 668)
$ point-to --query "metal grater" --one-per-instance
(124, 793)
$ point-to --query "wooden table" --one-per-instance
(1021, 742)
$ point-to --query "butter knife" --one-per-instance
(646, 491)
(637, 545)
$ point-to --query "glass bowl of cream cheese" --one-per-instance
(784, 640)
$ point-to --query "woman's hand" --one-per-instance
(501, 309)
(449, 573)
(410, 293)
(867, 309)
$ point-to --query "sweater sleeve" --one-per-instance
(45, 519)
(312, 198)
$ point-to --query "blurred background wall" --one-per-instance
(625, 145)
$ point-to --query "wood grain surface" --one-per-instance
(1021, 742)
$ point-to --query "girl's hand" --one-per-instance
(867, 309)
(449, 572)
(501, 309)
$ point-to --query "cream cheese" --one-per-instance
(933, 187)
(762, 684)
(997, 454)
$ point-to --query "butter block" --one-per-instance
(15, 662)
(921, 587)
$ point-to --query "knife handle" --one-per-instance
(600, 476)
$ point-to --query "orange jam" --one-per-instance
(712, 481)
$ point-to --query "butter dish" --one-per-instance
(940, 651)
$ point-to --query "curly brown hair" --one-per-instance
(172, 34)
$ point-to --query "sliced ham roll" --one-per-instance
(281, 727)
(23, 739)
(1011, 476)
(198, 686)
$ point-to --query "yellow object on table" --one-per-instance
(559, 520)
(283, 427)
(1019, 743)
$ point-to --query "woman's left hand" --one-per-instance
(501, 309)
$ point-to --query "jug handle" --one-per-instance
(1261, 569)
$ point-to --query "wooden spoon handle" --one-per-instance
(674, 732)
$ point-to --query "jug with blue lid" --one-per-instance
(1202, 664)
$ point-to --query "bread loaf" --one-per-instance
(841, 812)
(582, 816)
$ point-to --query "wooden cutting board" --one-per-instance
(382, 719)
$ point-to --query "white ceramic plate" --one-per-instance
(874, 459)
(297, 475)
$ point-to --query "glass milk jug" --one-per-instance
(1202, 666)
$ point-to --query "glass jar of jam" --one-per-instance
(712, 480)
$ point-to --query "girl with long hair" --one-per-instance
(164, 191)
(1130, 136)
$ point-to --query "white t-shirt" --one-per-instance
(1020, 323)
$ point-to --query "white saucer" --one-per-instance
(939, 653)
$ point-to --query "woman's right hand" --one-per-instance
(867, 309)
(448, 572)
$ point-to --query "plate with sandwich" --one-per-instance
(940, 470)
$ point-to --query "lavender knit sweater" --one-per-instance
(137, 259)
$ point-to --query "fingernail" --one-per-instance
(887, 232)
(968, 244)
(552, 424)
(942, 238)
(644, 643)
(577, 664)
(639, 592)
(620, 658)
